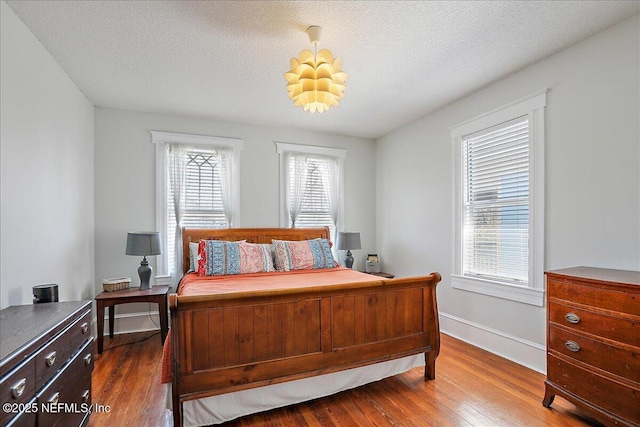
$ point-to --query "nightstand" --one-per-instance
(157, 294)
(382, 274)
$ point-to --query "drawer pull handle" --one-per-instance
(572, 318)
(51, 358)
(85, 396)
(572, 346)
(54, 398)
(18, 389)
(87, 359)
(84, 327)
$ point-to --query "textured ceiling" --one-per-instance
(226, 59)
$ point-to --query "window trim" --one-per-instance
(160, 139)
(533, 107)
(339, 153)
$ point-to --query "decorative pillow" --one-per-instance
(219, 257)
(255, 258)
(303, 254)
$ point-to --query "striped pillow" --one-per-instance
(302, 255)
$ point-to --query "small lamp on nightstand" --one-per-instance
(144, 243)
(346, 241)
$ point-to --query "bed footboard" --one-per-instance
(231, 342)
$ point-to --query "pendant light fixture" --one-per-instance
(316, 81)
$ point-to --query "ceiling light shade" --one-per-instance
(316, 80)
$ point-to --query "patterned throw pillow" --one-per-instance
(302, 255)
(255, 258)
(218, 258)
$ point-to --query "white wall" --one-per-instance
(125, 180)
(46, 152)
(592, 185)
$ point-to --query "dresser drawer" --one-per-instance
(66, 400)
(18, 386)
(613, 328)
(50, 358)
(612, 359)
(26, 418)
(609, 299)
(602, 392)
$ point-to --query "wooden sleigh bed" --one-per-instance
(227, 342)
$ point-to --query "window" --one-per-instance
(196, 181)
(500, 202)
(311, 186)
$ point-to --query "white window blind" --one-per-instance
(311, 186)
(205, 170)
(312, 191)
(496, 203)
(197, 180)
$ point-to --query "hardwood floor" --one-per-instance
(472, 388)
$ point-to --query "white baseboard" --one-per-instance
(130, 322)
(524, 352)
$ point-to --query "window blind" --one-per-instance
(312, 176)
(496, 202)
(202, 195)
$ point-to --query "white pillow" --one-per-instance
(193, 256)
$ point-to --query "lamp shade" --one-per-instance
(316, 80)
(348, 240)
(143, 243)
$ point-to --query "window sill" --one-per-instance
(499, 290)
(164, 280)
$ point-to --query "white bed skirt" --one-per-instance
(226, 407)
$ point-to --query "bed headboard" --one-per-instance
(252, 235)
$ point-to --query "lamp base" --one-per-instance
(144, 271)
(348, 260)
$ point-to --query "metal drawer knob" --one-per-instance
(87, 359)
(54, 398)
(51, 358)
(84, 327)
(85, 396)
(18, 388)
(572, 346)
(572, 317)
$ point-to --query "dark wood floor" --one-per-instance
(472, 388)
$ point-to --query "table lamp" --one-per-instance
(348, 240)
(144, 243)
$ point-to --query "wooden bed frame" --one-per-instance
(231, 342)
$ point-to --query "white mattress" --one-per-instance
(225, 407)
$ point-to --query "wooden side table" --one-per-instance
(382, 274)
(157, 294)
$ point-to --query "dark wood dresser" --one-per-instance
(593, 342)
(46, 362)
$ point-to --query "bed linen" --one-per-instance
(229, 406)
(194, 284)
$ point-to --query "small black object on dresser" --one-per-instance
(46, 360)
